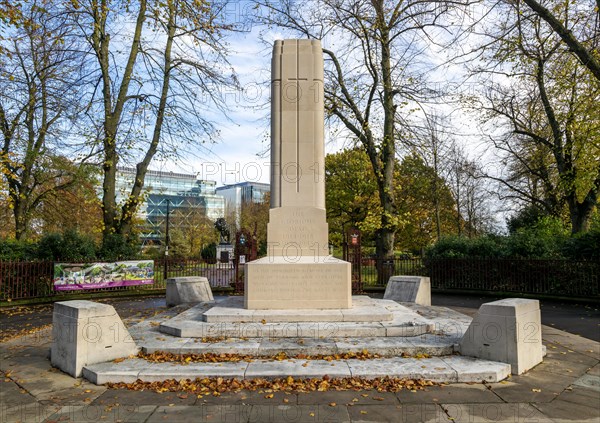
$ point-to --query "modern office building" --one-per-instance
(237, 195)
(188, 199)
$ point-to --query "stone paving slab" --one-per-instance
(90, 413)
(31, 412)
(450, 394)
(412, 413)
(563, 411)
(498, 412)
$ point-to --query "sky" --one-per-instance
(241, 151)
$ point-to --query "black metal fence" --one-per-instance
(566, 278)
(29, 280)
(33, 280)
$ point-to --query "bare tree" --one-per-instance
(39, 98)
(586, 51)
(548, 114)
(372, 76)
(155, 96)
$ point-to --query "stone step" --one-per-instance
(196, 329)
(368, 317)
(433, 345)
(445, 369)
(364, 309)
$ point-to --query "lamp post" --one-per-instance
(167, 241)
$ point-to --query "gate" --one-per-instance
(352, 254)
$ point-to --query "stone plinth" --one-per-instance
(364, 309)
(188, 289)
(85, 332)
(409, 289)
(308, 282)
(507, 330)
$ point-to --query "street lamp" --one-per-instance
(167, 237)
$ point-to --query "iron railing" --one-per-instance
(34, 279)
(30, 280)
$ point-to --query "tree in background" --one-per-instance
(548, 114)
(39, 100)
(350, 194)
(254, 217)
(155, 96)
(352, 200)
(582, 43)
(190, 231)
(428, 213)
(372, 75)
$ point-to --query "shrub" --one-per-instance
(12, 249)
(118, 247)
(68, 246)
(583, 247)
(461, 247)
(209, 252)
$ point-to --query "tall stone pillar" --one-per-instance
(298, 271)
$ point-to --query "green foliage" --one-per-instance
(584, 246)
(548, 238)
(524, 218)
(209, 252)
(68, 246)
(416, 201)
(119, 247)
(351, 194)
(12, 249)
(461, 247)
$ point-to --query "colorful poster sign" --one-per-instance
(76, 276)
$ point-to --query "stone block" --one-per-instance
(85, 332)
(188, 289)
(409, 289)
(507, 330)
(303, 283)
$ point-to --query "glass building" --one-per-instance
(188, 198)
(237, 195)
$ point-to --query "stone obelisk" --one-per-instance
(298, 271)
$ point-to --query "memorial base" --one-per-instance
(278, 283)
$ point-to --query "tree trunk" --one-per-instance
(581, 212)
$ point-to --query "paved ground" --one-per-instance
(564, 388)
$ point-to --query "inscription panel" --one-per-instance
(298, 285)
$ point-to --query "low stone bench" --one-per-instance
(508, 330)
(409, 289)
(85, 332)
(188, 289)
